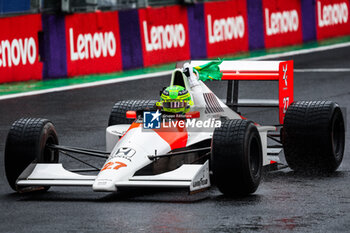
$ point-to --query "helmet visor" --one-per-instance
(175, 104)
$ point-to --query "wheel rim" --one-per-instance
(254, 157)
(50, 155)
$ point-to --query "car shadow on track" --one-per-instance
(166, 195)
(310, 175)
(52, 196)
(125, 195)
(147, 195)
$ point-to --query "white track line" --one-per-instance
(157, 74)
(84, 85)
(302, 51)
(322, 70)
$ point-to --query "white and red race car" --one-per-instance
(230, 152)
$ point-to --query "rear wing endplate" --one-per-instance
(235, 71)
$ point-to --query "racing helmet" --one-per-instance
(175, 99)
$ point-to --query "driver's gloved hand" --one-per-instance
(186, 71)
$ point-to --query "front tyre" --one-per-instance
(27, 142)
(236, 159)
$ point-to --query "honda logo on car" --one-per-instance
(281, 22)
(17, 51)
(89, 45)
(225, 28)
(164, 37)
(332, 14)
(124, 153)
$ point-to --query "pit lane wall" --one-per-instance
(36, 47)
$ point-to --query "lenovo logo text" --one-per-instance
(17, 51)
(225, 29)
(332, 14)
(89, 46)
(281, 22)
(164, 37)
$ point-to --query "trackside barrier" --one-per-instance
(226, 26)
(53, 44)
(282, 23)
(130, 38)
(36, 47)
(308, 20)
(164, 35)
(19, 48)
(332, 18)
(255, 24)
(196, 26)
(93, 43)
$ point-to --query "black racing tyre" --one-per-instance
(314, 136)
(236, 159)
(120, 108)
(26, 143)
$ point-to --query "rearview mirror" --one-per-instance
(160, 92)
(131, 114)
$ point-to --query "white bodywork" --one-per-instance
(120, 168)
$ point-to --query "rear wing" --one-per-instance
(235, 71)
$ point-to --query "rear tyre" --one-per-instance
(118, 113)
(27, 142)
(314, 136)
(236, 159)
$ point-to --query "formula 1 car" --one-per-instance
(143, 151)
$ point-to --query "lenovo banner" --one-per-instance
(93, 43)
(19, 48)
(226, 27)
(332, 18)
(283, 22)
(164, 33)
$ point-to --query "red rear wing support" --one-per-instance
(235, 71)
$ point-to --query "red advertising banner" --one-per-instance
(19, 48)
(164, 33)
(332, 18)
(226, 26)
(93, 43)
(282, 22)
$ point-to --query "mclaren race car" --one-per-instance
(190, 142)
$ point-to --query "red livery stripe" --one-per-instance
(250, 75)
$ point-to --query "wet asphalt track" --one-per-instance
(284, 201)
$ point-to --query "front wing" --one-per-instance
(192, 176)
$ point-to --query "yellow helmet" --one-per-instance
(175, 99)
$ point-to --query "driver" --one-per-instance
(175, 99)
